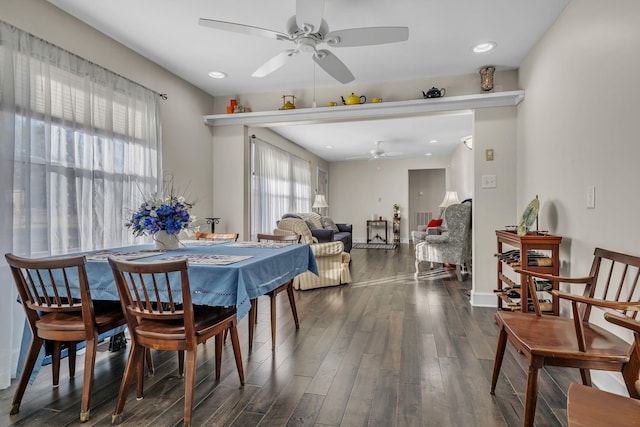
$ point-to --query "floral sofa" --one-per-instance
(333, 261)
(324, 229)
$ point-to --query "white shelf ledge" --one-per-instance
(363, 111)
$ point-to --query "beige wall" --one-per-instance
(578, 126)
(427, 188)
(493, 208)
(187, 150)
(231, 173)
(468, 84)
(462, 172)
(360, 189)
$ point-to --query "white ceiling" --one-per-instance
(400, 138)
(441, 34)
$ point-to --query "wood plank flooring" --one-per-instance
(385, 350)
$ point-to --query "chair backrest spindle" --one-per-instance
(152, 291)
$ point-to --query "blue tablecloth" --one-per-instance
(232, 284)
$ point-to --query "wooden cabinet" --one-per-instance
(535, 252)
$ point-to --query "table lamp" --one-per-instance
(319, 203)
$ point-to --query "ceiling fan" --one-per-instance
(306, 29)
(376, 153)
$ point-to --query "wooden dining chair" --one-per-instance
(577, 342)
(590, 407)
(156, 300)
(227, 237)
(56, 314)
(288, 286)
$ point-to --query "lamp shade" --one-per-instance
(320, 202)
(450, 198)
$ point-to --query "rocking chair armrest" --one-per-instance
(624, 321)
(614, 305)
(550, 277)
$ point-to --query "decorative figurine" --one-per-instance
(486, 78)
(434, 92)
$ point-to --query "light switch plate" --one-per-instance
(489, 181)
(488, 154)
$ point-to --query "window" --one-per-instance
(86, 147)
(79, 147)
(281, 183)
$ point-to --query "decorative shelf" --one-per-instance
(362, 111)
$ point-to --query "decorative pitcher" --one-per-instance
(165, 241)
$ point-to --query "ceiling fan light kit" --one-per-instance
(306, 29)
(376, 153)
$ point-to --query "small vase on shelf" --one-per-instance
(165, 241)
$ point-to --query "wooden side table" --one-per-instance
(377, 223)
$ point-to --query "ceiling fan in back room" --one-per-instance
(307, 29)
(376, 153)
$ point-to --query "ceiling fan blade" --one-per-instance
(333, 66)
(309, 15)
(242, 29)
(367, 36)
(274, 63)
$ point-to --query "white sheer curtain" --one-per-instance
(80, 146)
(281, 183)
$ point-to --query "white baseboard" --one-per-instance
(483, 299)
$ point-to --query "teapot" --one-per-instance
(434, 92)
(354, 99)
(288, 104)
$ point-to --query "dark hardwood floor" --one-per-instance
(385, 350)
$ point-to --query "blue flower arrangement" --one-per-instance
(156, 213)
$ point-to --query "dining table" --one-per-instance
(220, 273)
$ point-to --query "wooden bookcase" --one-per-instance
(538, 243)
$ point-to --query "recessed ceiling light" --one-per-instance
(484, 47)
(217, 74)
(329, 146)
(427, 154)
(433, 141)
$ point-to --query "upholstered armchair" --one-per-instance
(433, 228)
(451, 247)
(333, 261)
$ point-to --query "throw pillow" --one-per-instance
(290, 215)
(311, 224)
(437, 222)
(328, 224)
